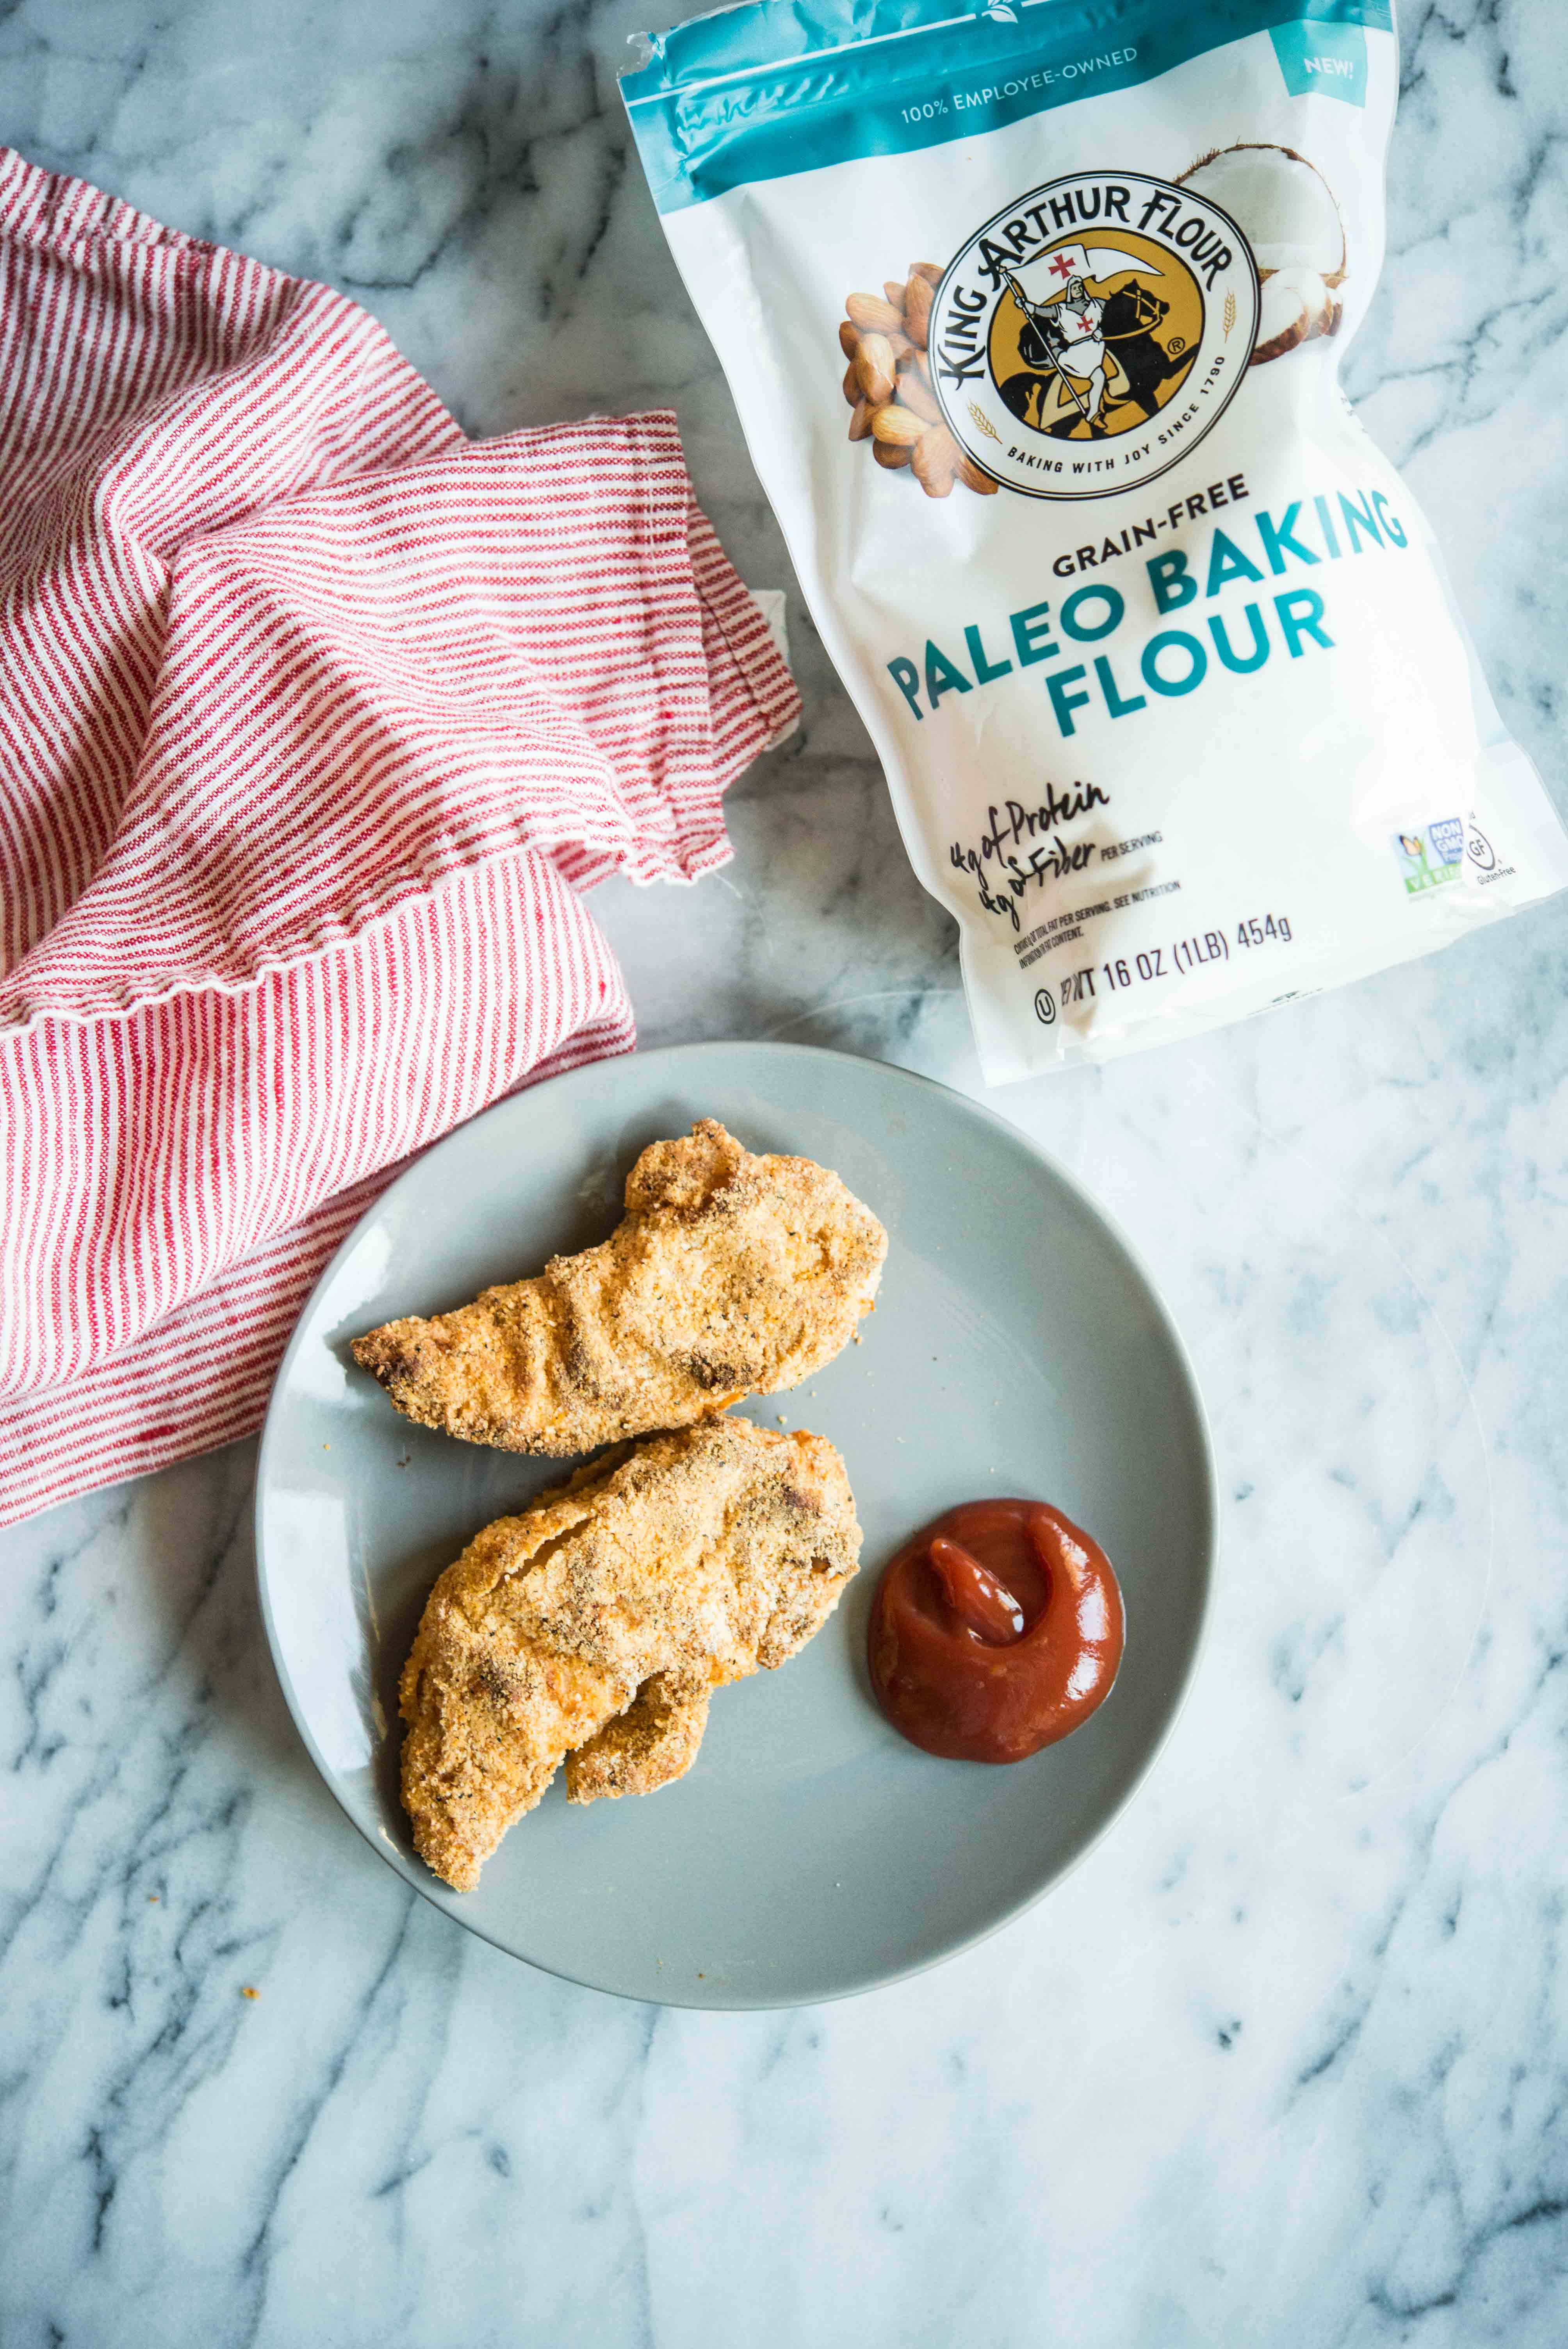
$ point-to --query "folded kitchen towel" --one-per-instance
(315, 717)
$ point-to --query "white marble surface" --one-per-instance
(1286, 2062)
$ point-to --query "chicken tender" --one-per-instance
(731, 1275)
(654, 1743)
(594, 1629)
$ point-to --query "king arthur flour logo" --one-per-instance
(1092, 333)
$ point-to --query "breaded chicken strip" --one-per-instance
(596, 1626)
(731, 1276)
(649, 1745)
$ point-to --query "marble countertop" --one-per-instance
(1285, 2061)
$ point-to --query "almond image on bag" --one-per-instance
(888, 385)
(1178, 717)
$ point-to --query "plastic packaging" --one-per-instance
(1033, 318)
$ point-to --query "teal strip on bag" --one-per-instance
(762, 91)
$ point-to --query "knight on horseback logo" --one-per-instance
(1092, 333)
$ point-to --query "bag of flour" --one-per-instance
(1033, 319)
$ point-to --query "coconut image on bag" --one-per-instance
(1177, 715)
(1284, 209)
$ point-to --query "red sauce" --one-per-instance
(996, 1631)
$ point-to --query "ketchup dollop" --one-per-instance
(996, 1631)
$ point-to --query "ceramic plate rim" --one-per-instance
(1207, 1562)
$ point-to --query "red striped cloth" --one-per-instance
(314, 718)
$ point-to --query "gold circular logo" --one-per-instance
(1095, 335)
(1091, 333)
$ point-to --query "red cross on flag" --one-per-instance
(1044, 279)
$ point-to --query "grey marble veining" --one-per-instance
(1285, 2061)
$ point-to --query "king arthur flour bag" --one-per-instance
(1034, 317)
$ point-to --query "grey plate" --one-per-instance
(1017, 1347)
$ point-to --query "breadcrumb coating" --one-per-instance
(731, 1275)
(650, 1745)
(597, 1625)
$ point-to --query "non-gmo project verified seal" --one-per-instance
(1428, 859)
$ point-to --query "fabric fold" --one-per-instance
(314, 718)
(365, 688)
